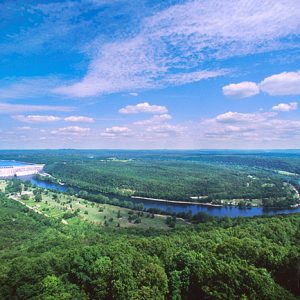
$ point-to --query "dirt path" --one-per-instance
(30, 207)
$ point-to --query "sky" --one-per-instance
(150, 74)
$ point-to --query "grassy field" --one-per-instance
(2, 185)
(58, 205)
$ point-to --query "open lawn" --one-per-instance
(64, 206)
(2, 185)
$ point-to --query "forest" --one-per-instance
(86, 243)
(213, 176)
(41, 258)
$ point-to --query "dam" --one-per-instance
(14, 168)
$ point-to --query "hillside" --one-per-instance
(239, 258)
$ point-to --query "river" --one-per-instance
(229, 211)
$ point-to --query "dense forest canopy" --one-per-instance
(227, 259)
(176, 175)
(54, 248)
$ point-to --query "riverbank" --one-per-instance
(177, 202)
(70, 209)
(176, 207)
(146, 201)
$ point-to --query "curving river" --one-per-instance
(229, 211)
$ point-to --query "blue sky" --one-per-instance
(150, 74)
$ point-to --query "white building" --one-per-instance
(8, 171)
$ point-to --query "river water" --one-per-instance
(229, 211)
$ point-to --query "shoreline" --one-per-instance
(177, 202)
(211, 204)
(207, 204)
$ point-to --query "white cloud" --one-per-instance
(165, 128)
(184, 36)
(231, 131)
(116, 131)
(31, 87)
(71, 130)
(241, 90)
(143, 108)
(235, 117)
(6, 108)
(36, 118)
(155, 119)
(80, 119)
(133, 94)
(155, 127)
(24, 128)
(188, 77)
(286, 83)
(168, 47)
(50, 118)
(249, 130)
(285, 106)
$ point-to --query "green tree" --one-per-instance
(102, 272)
(38, 197)
(153, 282)
(53, 288)
(25, 197)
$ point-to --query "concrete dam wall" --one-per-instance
(8, 171)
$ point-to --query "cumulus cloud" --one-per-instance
(116, 131)
(155, 119)
(236, 117)
(241, 90)
(80, 119)
(231, 131)
(71, 130)
(50, 118)
(283, 84)
(261, 129)
(286, 83)
(168, 129)
(36, 118)
(285, 106)
(143, 108)
(152, 128)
